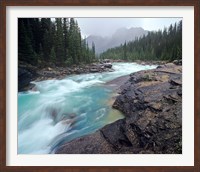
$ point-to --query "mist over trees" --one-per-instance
(156, 45)
(44, 41)
(115, 39)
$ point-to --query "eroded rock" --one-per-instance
(152, 103)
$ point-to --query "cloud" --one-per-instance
(107, 26)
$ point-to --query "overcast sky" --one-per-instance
(107, 26)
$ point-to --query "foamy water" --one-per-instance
(61, 110)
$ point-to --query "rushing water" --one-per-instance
(62, 110)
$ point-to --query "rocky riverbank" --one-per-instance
(28, 73)
(152, 104)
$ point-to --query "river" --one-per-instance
(61, 110)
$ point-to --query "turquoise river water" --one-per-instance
(61, 110)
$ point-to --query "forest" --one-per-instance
(58, 41)
(47, 41)
(164, 44)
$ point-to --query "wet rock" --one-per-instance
(106, 61)
(101, 67)
(94, 143)
(114, 134)
(108, 65)
(25, 76)
(152, 103)
(69, 121)
(159, 130)
(150, 62)
(93, 70)
(116, 83)
(177, 62)
(111, 70)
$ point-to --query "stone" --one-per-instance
(108, 65)
(93, 70)
(80, 146)
(153, 117)
(25, 76)
(177, 62)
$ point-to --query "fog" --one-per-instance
(107, 26)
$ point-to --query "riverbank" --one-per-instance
(151, 101)
(28, 73)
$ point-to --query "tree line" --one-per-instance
(43, 41)
(164, 44)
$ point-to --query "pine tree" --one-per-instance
(93, 50)
(72, 51)
(53, 55)
(84, 50)
(25, 49)
(40, 54)
(87, 53)
(59, 42)
(66, 36)
(36, 28)
(156, 45)
(77, 42)
(46, 46)
(46, 41)
(125, 51)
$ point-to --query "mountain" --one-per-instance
(119, 37)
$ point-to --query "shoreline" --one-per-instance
(151, 101)
(28, 73)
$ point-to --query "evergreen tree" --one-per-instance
(45, 41)
(87, 53)
(72, 51)
(77, 42)
(46, 46)
(59, 42)
(125, 51)
(40, 55)
(25, 51)
(160, 45)
(66, 36)
(93, 50)
(53, 55)
(36, 28)
(84, 50)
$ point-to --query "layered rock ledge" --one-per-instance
(152, 103)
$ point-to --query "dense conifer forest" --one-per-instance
(48, 41)
(164, 44)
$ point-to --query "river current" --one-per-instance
(62, 110)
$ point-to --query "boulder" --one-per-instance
(177, 62)
(25, 76)
(108, 65)
(93, 70)
(106, 61)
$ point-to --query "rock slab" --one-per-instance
(151, 101)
